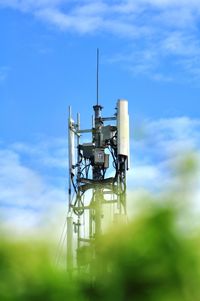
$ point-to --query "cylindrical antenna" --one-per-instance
(97, 76)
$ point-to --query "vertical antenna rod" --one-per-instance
(97, 76)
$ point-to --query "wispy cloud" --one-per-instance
(129, 13)
(163, 143)
(157, 31)
(48, 153)
(32, 180)
(160, 152)
(33, 176)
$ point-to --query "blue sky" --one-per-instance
(149, 54)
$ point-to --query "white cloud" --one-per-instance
(22, 186)
(163, 143)
(78, 23)
(28, 186)
(109, 11)
(143, 176)
(33, 176)
(178, 3)
(175, 135)
(159, 30)
(51, 153)
(175, 44)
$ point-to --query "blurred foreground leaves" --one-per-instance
(149, 259)
(155, 257)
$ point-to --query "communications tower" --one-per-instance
(97, 178)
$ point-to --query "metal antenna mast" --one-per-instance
(94, 191)
(97, 76)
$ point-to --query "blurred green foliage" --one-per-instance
(149, 259)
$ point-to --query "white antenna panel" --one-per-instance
(123, 127)
(71, 146)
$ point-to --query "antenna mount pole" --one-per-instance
(97, 76)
